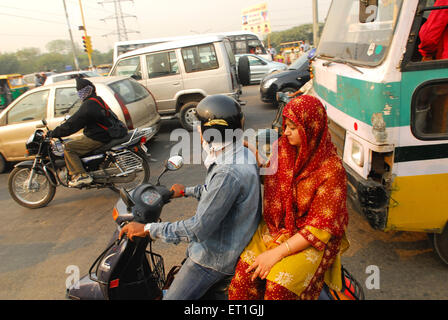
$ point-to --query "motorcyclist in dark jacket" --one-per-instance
(92, 117)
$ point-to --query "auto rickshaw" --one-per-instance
(11, 86)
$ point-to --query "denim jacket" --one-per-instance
(227, 215)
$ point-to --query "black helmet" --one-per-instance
(219, 112)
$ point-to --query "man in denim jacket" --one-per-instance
(228, 212)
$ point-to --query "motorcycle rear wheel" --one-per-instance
(142, 176)
(39, 195)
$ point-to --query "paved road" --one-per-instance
(36, 246)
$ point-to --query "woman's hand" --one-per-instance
(264, 263)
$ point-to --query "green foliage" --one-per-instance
(59, 56)
(9, 63)
(303, 32)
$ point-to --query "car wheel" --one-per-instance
(2, 163)
(288, 90)
(187, 115)
(244, 70)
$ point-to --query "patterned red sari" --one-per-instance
(306, 195)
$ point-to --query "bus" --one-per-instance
(287, 46)
(241, 41)
(388, 112)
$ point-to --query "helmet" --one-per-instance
(219, 112)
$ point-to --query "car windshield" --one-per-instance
(345, 37)
(299, 63)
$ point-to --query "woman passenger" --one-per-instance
(298, 243)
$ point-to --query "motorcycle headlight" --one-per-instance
(357, 153)
(269, 82)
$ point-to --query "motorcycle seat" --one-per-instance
(110, 144)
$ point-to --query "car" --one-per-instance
(69, 75)
(288, 81)
(32, 80)
(181, 73)
(260, 67)
(130, 101)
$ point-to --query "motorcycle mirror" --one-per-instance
(174, 163)
(127, 199)
(42, 125)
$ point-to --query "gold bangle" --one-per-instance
(287, 247)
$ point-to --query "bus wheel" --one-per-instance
(440, 242)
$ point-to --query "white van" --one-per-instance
(181, 73)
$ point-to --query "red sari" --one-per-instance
(306, 195)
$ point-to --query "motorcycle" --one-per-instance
(282, 100)
(128, 270)
(121, 163)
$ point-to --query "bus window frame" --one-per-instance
(417, 91)
(411, 45)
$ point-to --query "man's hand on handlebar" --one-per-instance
(133, 229)
(179, 190)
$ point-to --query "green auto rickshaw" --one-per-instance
(11, 86)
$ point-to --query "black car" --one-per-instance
(290, 80)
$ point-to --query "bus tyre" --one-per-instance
(244, 70)
(187, 115)
(440, 242)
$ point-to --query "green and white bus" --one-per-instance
(388, 113)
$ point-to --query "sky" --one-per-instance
(34, 23)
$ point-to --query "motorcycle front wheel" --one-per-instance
(35, 194)
(142, 175)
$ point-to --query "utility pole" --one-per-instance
(122, 31)
(315, 24)
(85, 35)
(75, 59)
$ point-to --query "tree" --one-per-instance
(59, 46)
(27, 58)
(9, 63)
(303, 32)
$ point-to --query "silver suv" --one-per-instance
(181, 73)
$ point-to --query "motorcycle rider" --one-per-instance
(228, 211)
(92, 116)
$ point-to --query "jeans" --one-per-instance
(194, 282)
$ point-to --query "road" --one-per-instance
(37, 246)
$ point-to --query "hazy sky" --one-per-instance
(34, 23)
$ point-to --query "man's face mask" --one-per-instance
(85, 92)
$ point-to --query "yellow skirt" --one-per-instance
(296, 271)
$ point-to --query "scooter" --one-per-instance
(132, 270)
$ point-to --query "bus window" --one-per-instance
(430, 111)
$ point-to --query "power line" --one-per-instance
(30, 18)
(119, 16)
(35, 11)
